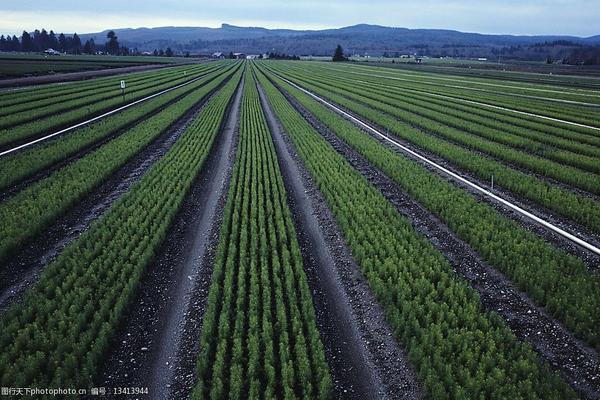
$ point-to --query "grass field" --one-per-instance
(302, 229)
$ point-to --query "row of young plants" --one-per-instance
(553, 279)
(504, 85)
(463, 133)
(458, 349)
(32, 100)
(11, 96)
(62, 330)
(489, 136)
(482, 123)
(78, 112)
(259, 338)
(532, 125)
(564, 202)
(33, 209)
(19, 166)
(575, 113)
(24, 95)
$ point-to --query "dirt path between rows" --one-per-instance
(158, 345)
(577, 363)
(23, 269)
(77, 76)
(364, 357)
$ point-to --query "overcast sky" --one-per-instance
(522, 17)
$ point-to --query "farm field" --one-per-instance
(17, 65)
(302, 229)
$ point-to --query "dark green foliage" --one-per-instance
(338, 55)
(553, 279)
(68, 318)
(459, 350)
(259, 337)
(26, 163)
(18, 126)
(572, 205)
(44, 201)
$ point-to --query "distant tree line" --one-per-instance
(278, 56)
(588, 55)
(166, 53)
(39, 41)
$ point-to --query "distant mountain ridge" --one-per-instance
(362, 38)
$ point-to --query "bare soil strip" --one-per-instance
(24, 268)
(149, 347)
(578, 364)
(365, 359)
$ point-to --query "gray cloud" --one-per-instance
(573, 17)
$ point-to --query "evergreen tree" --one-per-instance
(169, 52)
(88, 47)
(62, 42)
(27, 42)
(75, 44)
(43, 40)
(3, 44)
(15, 45)
(36, 40)
(339, 54)
(112, 45)
(52, 40)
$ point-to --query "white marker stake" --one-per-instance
(123, 89)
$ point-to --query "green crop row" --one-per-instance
(555, 280)
(54, 121)
(36, 101)
(463, 133)
(504, 85)
(535, 129)
(259, 338)
(32, 210)
(566, 111)
(459, 350)
(63, 104)
(562, 201)
(19, 166)
(467, 118)
(61, 331)
(22, 97)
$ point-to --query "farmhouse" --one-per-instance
(218, 55)
(239, 56)
(52, 52)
